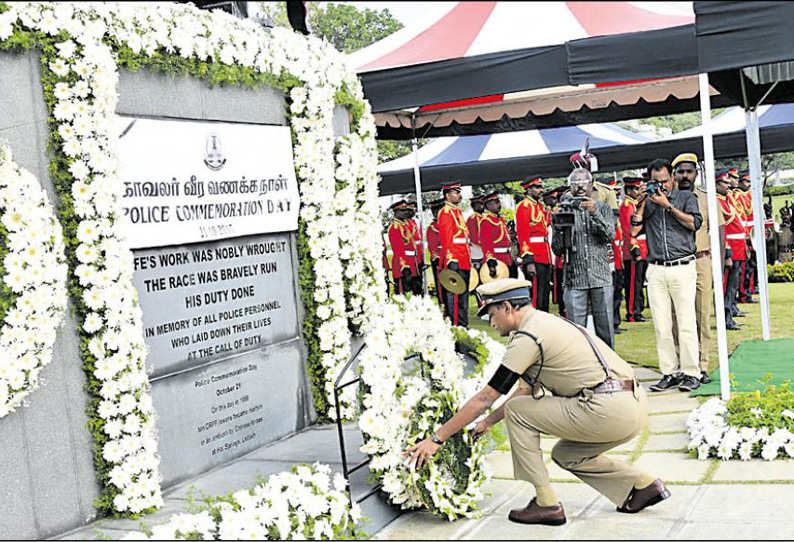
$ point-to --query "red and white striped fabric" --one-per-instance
(465, 32)
(464, 29)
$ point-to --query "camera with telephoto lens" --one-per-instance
(654, 188)
(564, 219)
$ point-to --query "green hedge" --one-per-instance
(779, 190)
(781, 272)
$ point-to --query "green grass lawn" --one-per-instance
(638, 342)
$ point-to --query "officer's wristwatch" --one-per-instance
(434, 438)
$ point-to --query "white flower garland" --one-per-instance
(401, 409)
(86, 98)
(35, 272)
(711, 435)
(306, 503)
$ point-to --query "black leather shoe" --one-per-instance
(731, 326)
(705, 378)
(639, 318)
(689, 383)
(740, 314)
(534, 514)
(639, 499)
(667, 382)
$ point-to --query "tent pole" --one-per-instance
(419, 207)
(714, 235)
(754, 157)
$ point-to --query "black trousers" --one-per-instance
(617, 296)
(633, 281)
(439, 290)
(541, 285)
(458, 305)
(749, 273)
(411, 285)
(559, 290)
(734, 274)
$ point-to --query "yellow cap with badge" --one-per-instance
(501, 290)
(685, 157)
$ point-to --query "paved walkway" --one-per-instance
(710, 499)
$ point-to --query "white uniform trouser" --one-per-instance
(670, 287)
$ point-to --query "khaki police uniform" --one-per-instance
(588, 423)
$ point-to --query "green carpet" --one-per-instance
(751, 361)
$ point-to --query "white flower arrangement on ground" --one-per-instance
(85, 96)
(400, 409)
(307, 503)
(712, 436)
(33, 282)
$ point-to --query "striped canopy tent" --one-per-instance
(484, 67)
(490, 158)
(510, 156)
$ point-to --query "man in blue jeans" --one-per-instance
(587, 273)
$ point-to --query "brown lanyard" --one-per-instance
(593, 346)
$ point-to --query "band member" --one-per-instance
(735, 252)
(473, 224)
(455, 253)
(634, 253)
(533, 219)
(406, 262)
(748, 284)
(434, 247)
(494, 237)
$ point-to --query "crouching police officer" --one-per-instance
(571, 386)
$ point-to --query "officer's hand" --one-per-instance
(588, 205)
(530, 270)
(421, 453)
(635, 253)
(481, 428)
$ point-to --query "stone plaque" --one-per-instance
(211, 415)
(206, 301)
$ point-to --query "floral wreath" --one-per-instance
(33, 268)
(402, 407)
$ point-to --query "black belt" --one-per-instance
(672, 263)
(611, 386)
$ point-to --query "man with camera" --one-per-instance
(583, 231)
(670, 218)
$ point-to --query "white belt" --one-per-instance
(460, 241)
(748, 223)
(641, 237)
(410, 253)
(537, 239)
(618, 243)
(502, 250)
(735, 236)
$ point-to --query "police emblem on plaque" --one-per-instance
(214, 158)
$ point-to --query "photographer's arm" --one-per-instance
(638, 218)
(685, 219)
(602, 223)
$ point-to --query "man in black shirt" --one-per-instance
(670, 218)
